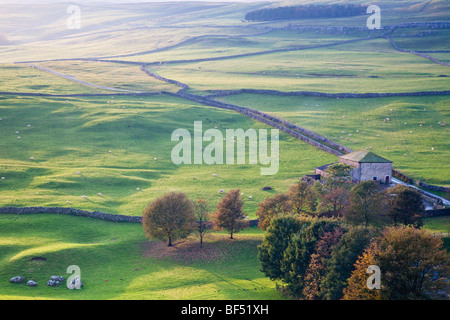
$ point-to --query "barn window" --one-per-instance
(375, 178)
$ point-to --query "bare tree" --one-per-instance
(202, 217)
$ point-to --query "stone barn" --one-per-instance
(365, 164)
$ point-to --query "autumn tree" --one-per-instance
(336, 200)
(313, 289)
(357, 288)
(229, 214)
(413, 264)
(301, 195)
(202, 218)
(342, 260)
(272, 207)
(170, 217)
(405, 206)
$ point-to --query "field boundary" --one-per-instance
(88, 214)
(70, 211)
(224, 93)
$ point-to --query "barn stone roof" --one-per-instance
(364, 156)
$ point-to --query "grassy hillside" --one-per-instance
(112, 153)
(117, 262)
(70, 135)
(414, 137)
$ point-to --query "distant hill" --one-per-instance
(306, 12)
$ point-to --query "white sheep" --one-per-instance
(31, 158)
(214, 175)
(138, 189)
(221, 191)
(250, 197)
(99, 194)
(18, 137)
(78, 172)
(3, 178)
(84, 196)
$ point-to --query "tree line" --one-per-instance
(320, 238)
(306, 12)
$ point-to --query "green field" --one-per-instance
(117, 262)
(415, 126)
(73, 135)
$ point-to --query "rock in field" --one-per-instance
(32, 283)
(17, 279)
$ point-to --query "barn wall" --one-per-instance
(379, 170)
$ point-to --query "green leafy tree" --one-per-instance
(297, 255)
(276, 240)
(170, 217)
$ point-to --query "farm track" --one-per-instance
(71, 78)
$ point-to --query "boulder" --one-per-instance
(75, 283)
(55, 281)
(32, 283)
(17, 279)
